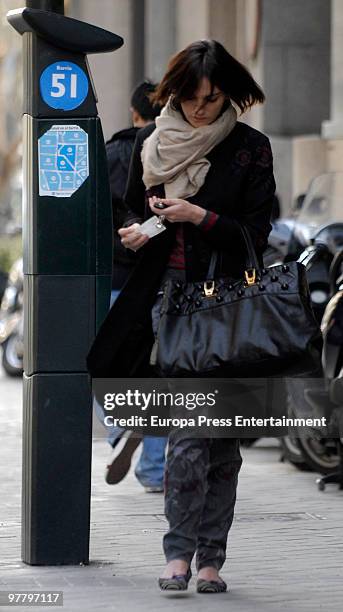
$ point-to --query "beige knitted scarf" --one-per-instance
(174, 154)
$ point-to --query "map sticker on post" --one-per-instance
(63, 86)
(63, 160)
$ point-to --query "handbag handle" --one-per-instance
(251, 262)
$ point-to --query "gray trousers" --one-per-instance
(200, 492)
(201, 478)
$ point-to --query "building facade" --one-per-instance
(294, 50)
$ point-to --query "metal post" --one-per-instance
(67, 239)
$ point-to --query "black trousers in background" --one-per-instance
(200, 480)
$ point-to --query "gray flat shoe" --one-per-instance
(211, 586)
(177, 582)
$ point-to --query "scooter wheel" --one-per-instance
(291, 452)
(321, 454)
(12, 362)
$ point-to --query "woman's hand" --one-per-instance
(178, 210)
(132, 238)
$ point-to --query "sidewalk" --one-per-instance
(285, 549)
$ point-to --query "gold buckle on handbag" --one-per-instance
(250, 276)
(209, 288)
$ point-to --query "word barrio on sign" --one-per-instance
(63, 149)
(63, 160)
(63, 85)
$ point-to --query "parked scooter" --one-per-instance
(329, 399)
(283, 244)
(11, 322)
(291, 239)
(313, 237)
(322, 213)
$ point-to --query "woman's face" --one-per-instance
(204, 107)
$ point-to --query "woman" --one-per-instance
(210, 171)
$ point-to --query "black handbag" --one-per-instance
(259, 325)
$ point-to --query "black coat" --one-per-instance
(119, 151)
(239, 186)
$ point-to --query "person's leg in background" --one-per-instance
(113, 433)
(150, 467)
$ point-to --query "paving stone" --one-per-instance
(285, 549)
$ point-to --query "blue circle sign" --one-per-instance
(63, 85)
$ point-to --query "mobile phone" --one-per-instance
(152, 227)
(160, 205)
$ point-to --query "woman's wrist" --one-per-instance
(198, 214)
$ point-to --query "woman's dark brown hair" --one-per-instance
(207, 58)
